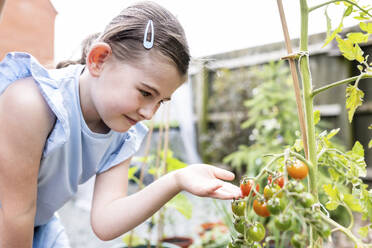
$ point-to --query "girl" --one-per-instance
(60, 127)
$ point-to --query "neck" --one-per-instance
(88, 109)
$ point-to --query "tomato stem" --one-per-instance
(344, 81)
(335, 1)
(346, 231)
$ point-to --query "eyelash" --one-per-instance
(147, 94)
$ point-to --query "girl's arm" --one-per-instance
(25, 121)
(114, 213)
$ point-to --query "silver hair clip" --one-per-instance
(149, 44)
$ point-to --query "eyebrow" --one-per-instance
(154, 90)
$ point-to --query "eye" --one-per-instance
(145, 93)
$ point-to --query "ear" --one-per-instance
(97, 56)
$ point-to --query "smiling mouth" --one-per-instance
(131, 121)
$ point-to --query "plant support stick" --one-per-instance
(296, 84)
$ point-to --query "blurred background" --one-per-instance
(234, 45)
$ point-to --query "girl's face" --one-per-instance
(123, 94)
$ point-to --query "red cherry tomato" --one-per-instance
(260, 208)
(279, 181)
(298, 170)
(246, 187)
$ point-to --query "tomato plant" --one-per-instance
(293, 201)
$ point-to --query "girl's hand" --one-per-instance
(207, 181)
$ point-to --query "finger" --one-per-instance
(234, 190)
(227, 191)
(215, 185)
(222, 194)
(223, 174)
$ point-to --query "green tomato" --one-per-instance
(298, 241)
(306, 199)
(275, 205)
(256, 245)
(299, 187)
(268, 192)
(283, 222)
(256, 232)
(233, 245)
(237, 207)
(323, 230)
(295, 186)
(239, 225)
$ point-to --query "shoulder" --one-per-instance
(23, 102)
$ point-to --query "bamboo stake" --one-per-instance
(147, 151)
(141, 185)
(296, 84)
(165, 170)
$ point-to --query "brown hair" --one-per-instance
(125, 34)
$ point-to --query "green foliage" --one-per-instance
(229, 89)
(133, 240)
(180, 202)
(271, 112)
(350, 49)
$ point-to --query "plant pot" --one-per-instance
(183, 242)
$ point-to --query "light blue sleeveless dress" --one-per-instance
(72, 153)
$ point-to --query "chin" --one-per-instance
(121, 129)
(119, 126)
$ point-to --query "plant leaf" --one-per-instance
(363, 231)
(174, 164)
(331, 205)
(333, 133)
(367, 27)
(352, 203)
(298, 146)
(350, 50)
(354, 98)
(134, 239)
(334, 174)
(333, 35)
(348, 10)
(358, 149)
(182, 204)
(331, 191)
(131, 172)
(358, 37)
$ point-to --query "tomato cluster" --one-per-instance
(278, 192)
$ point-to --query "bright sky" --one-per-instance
(211, 26)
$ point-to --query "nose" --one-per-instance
(147, 112)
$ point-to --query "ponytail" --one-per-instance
(87, 42)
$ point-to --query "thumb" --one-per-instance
(223, 174)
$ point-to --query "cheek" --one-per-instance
(127, 102)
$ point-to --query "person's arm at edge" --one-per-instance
(24, 126)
